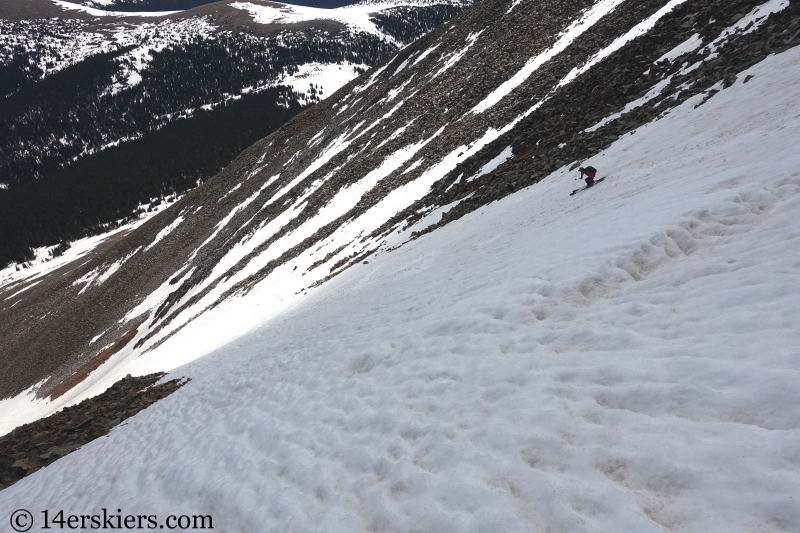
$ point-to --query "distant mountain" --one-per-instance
(173, 5)
(73, 88)
(141, 5)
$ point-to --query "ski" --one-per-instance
(584, 188)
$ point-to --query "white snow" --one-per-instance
(397, 133)
(282, 287)
(101, 274)
(22, 408)
(28, 286)
(588, 19)
(689, 45)
(43, 263)
(329, 77)
(638, 30)
(498, 160)
(164, 232)
(514, 4)
(395, 92)
(96, 337)
(657, 89)
(103, 13)
(401, 67)
(357, 17)
(455, 57)
(372, 79)
(425, 54)
(620, 360)
(749, 23)
(414, 165)
(62, 43)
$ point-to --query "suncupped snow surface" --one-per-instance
(622, 360)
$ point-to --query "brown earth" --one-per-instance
(93, 364)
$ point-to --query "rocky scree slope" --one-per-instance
(489, 103)
(77, 92)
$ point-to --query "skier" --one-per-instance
(590, 173)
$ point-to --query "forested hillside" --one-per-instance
(84, 108)
(407, 24)
(71, 89)
(106, 189)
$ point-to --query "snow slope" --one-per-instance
(622, 360)
(357, 17)
(105, 13)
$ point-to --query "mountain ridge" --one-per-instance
(73, 88)
(621, 360)
(326, 203)
(395, 316)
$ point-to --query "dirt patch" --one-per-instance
(84, 371)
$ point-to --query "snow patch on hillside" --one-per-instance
(454, 57)
(657, 89)
(93, 11)
(495, 162)
(164, 232)
(356, 17)
(689, 45)
(620, 360)
(44, 263)
(638, 30)
(326, 78)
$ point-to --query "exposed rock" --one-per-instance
(33, 446)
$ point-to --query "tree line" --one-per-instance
(104, 189)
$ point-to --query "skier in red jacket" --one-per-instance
(590, 173)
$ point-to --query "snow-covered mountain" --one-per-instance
(167, 5)
(90, 79)
(396, 317)
(140, 5)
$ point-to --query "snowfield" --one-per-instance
(357, 17)
(626, 359)
(106, 13)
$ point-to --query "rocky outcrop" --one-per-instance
(34, 446)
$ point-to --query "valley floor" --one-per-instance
(626, 359)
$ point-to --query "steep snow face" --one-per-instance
(621, 360)
(401, 153)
